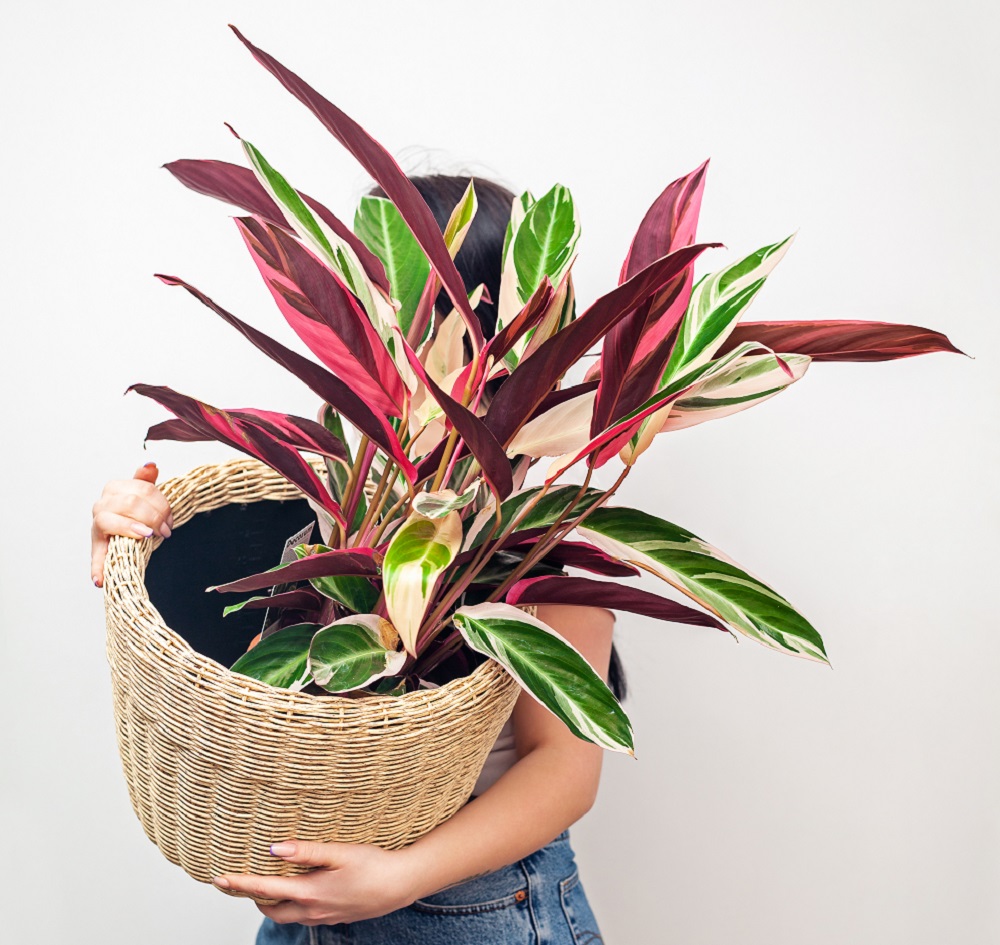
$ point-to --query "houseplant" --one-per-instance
(438, 558)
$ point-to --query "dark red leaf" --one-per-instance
(239, 186)
(339, 563)
(841, 339)
(337, 393)
(529, 316)
(303, 598)
(580, 554)
(389, 176)
(554, 589)
(669, 224)
(482, 444)
(524, 390)
(250, 439)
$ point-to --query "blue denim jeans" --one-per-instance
(537, 901)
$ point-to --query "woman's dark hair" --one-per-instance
(479, 262)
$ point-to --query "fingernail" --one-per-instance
(143, 530)
(221, 882)
(165, 530)
(147, 465)
(282, 849)
(97, 582)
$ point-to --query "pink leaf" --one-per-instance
(325, 314)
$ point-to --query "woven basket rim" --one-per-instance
(129, 587)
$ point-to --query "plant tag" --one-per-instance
(272, 622)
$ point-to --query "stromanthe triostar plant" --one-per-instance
(433, 543)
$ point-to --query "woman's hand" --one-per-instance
(132, 507)
(353, 881)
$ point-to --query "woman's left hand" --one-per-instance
(353, 881)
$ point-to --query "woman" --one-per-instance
(501, 870)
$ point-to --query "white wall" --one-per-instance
(774, 802)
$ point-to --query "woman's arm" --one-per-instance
(551, 786)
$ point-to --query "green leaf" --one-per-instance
(378, 224)
(717, 302)
(288, 199)
(280, 659)
(705, 575)
(545, 241)
(420, 550)
(549, 669)
(234, 608)
(352, 652)
(355, 593)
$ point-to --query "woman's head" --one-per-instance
(480, 257)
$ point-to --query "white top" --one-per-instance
(501, 758)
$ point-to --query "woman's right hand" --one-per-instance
(131, 507)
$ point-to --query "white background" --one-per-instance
(774, 802)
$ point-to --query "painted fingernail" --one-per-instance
(221, 882)
(147, 465)
(282, 849)
(165, 530)
(144, 530)
(97, 582)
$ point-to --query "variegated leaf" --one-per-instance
(352, 652)
(438, 504)
(729, 386)
(717, 302)
(558, 315)
(541, 241)
(561, 429)
(550, 669)
(706, 575)
(635, 420)
(419, 552)
(460, 220)
(747, 381)
(281, 659)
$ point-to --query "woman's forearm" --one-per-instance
(545, 792)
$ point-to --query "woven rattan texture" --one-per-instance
(219, 766)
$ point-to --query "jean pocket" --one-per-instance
(498, 890)
(576, 909)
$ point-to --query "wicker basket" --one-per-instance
(219, 766)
